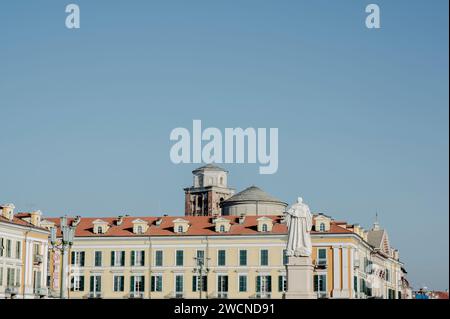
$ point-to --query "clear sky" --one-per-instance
(85, 115)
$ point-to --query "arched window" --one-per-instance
(221, 180)
(180, 229)
(264, 227)
(222, 228)
(322, 227)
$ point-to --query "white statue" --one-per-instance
(299, 223)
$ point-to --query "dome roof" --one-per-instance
(253, 193)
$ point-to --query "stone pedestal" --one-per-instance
(300, 272)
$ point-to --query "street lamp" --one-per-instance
(68, 233)
(200, 270)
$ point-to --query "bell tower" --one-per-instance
(209, 189)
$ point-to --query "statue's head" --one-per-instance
(299, 200)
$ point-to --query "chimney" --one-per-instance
(36, 218)
(241, 219)
(119, 221)
(8, 211)
(76, 221)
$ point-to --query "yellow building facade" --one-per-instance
(23, 255)
(219, 257)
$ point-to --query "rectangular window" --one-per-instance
(159, 258)
(179, 258)
(137, 257)
(282, 283)
(1, 276)
(18, 278)
(355, 283)
(222, 286)
(321, 256)
(10, 277)
(77, 283)
(95, 284)
(98, 259)
(118, 258)
(263, 286)
(137, 284)
(221, 258)
(8, 248)
(320, 283)
(77, 258)
(242, 257)
(199, 283)
(156, 283)
(119, 283)
(242, 283)
(200, 260)
(18, 250)
(2, 248)
(264, 257)
(179, 286)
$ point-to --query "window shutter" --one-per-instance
(81, 283)
(99, 283)
(205, 283)
(152, 283)
(112, 258)
(280, 283)
(142, 283)
(123, 258)
(82, 258)
(73, 258)
(91, 284)
(133, 254)
(142, 258)
(132, 284)
(316, 283)
(72, 281)
(258, 283)
(269, 283)
(194, 283)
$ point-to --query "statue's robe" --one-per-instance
(299, 223)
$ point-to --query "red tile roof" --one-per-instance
(18, 221)
(199, 226)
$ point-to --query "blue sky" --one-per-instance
(362, 114)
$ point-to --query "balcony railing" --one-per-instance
(41, 291)
(38, 259)
(262, 295)
(136, 295)
(95, 295)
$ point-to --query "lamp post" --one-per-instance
(68, 233)
(200, 270)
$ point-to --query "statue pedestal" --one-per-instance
(300, 272)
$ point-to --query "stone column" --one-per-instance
(300, 272)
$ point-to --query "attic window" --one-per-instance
(99, 230)
(180, 229)
(322, 227)
(139, 230)
(222, 228)
(264, 227)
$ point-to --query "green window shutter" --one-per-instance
(91, 284)
(82, 254)
(205, 283)
(123, 258)
(316, 283)
(153, 283)
(112, 257)
(142, 283)
(280, 283)
(99, 283)
(72, 262)
(72, 283)
(194, 283)
(258, 283)
(142, 257)
(131, 283)
(133, 253)
(81, 283)
(269, 283)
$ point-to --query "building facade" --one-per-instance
(219, 257)
(23, 254)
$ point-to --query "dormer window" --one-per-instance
(265, 224)
(180, 225)
(100, 226)
(222, 225)
(139, 226)
(222, 228)
(322, 227)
